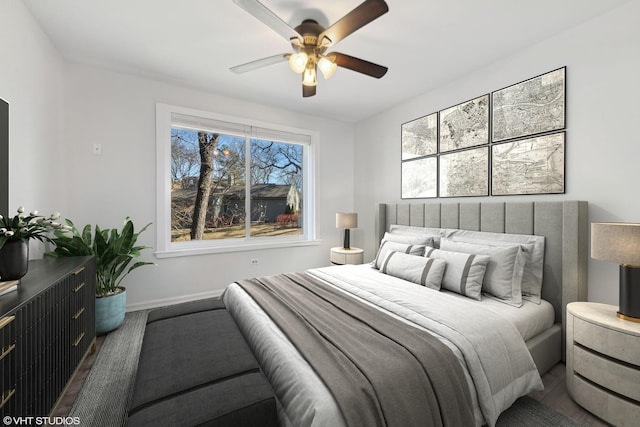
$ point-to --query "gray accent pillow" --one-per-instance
(417, 269)
(503, 275)
(463, 273)
(387, 246)
(533, 247)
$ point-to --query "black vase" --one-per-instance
(14, 259)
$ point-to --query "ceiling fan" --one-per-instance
(310, 41)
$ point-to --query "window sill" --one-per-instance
(242, 247)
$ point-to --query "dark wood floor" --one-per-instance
(554, 394)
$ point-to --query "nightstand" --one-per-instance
(603, 362)
(340, 255)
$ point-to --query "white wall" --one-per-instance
(31, 82)
(118, 111)
(602, 146)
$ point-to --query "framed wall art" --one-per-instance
(530, 107)
(529, 166)
(420, 178)
(465, 125)
(465, 173)
(420, 137)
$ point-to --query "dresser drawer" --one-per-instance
(620, 378)
(615, 410)
(607, 341)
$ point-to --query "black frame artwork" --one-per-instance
(464, 125)
(531, 107)
(533, 165)
(420, 137)
(420, 178)
(464, 173)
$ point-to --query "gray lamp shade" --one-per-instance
(617, 242)
(347, 220)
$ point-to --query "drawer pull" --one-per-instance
(78, 271)
(77, 288)
(6, 320)
(78, 314)
(7, 350)
(6, 396)
(77, 340)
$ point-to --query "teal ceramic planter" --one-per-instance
(110, 312)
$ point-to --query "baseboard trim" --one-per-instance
(171, 301)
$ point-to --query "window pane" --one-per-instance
(207, 185)
(276, 188)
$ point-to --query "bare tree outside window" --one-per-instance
(209, 186)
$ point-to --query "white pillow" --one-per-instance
(464, 272)
(435, 233)
(387, 246)
(417, 269)
(533, 247)
(503, 276)
(412, 239)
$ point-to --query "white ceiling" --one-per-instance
(425, 43)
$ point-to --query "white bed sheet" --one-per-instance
(530, 319)
(303, 398)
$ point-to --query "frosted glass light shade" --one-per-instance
(298, 62)
(327, 67)
(309, 77)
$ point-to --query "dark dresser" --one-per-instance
(47, 326)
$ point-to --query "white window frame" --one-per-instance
(165, 248)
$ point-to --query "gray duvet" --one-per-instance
(379, 371)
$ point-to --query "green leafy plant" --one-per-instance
(114, 252)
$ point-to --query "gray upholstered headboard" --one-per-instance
(564, 225)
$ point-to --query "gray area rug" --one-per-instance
(103, 400)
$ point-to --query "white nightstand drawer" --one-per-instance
(616, 377)
(607, 341)
(617, 411)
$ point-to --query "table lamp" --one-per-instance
(620, 242)
(346, 221)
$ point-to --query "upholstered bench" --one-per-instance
(195, 368)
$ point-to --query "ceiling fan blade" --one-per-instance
(270, 19)
(308, 91)
(359, 65)
(259, 63)
(366, 12)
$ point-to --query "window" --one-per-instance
(228, 184)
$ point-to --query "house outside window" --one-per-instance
(229, 184)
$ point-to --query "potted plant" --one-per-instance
(114, 252)
(15, 233)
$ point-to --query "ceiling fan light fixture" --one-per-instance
(309, 78)
(298, 62)
(327, 66)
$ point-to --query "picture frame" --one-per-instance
(531, 107)
(420, 178)
(464, 125)
(533, 165)
(420, 137)
(464, 173)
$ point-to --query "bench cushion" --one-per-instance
(195, 364)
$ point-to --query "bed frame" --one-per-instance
(564, 224)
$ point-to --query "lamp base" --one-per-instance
(627, 318)
(347, 239)
(629, 293)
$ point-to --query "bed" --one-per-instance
(486, 353)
